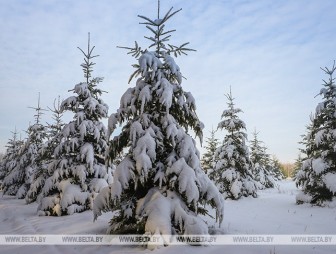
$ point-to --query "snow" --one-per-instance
(319, 165)
(122, 173)
(82, 89)
(71, 101)
(274, 212)
(249, 186)
(186, 178)
(228, 174)
(142, 163)
(148, 59)
(83, 129)
(80, 172)
(80, 116)
(160, 174)
(101, 202)
(73, 143)
(34, 188)
(87, 154)
(71, 194)
(158, 21)
(144, 152)
(91, 104)
(319, 137)
(173, 67)
(125, 99)
(158, 210)
(136, 131)
(236, 188)
(21, 193)
(190, 100)
(330, 181)
(302, 197)
(112, 124)
(166, 93)
(144, 97)
(320, 107)
(306, 164)
(172, 132)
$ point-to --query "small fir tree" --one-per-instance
(262, 171)
(308, 142)
(232, 171)
(317, 177)
(208, 158)
(275, 167)
(159, 187)
(46, 154)
(297, 167)
(18, 181)
(9, 161)
(78, 168)
(3, 169)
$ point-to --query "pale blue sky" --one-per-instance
(269, 52)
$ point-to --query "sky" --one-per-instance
(268, 52)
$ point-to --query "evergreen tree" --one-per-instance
(159, 187)
(261, 164)
(232, 170)
(270, 169)
(3, 169)
(308, 142)
(78, 168)
(275, 167)
(46, 154)
(297, 167)
(317, 177)
(9, 161)
(18, 181)
(208, 157)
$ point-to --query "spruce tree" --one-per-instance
(18, 181)
(208, 157)
(78, 168)
(261, 169)
(232, 171)
(3, 169)
(159, 187)
(297, 168)
(317, 178)
(9, 161)
(275, 168)
(303, 174)
(46, 153)
(7, 156)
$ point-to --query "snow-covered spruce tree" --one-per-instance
(46, 154)
(9, 161)
(18, 181)
(275, 167)
(208, 157)
(261, 169)
(297, 167)
(159, 187)
(317, 177)
(232, 170)
(3, 170)
(78, 168)
(302, 176)
(8, 156)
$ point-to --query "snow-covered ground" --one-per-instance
(273, 212)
